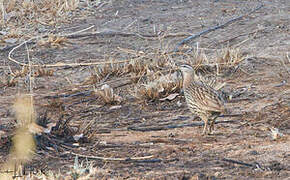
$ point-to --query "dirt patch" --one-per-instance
(164, 133)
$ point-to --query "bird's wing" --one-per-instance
(207, 98)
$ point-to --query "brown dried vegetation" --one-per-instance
(107, 95)
(53, 41)
(47, 12)
(40, 72)
(162, 86)
(103, 116)
(229, 59)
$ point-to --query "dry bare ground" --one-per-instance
(107, 94)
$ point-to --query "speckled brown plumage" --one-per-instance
(202, 99)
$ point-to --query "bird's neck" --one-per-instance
(187, 79)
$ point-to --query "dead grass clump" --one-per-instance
(159, 60)
(137, 65)
(137, 68)
(107, 95)
(229, 59)
(159, 88)
(8, 81)
(11, 36)
(47, 12)
(140, 69)
(53, 41)
(21, 73)
(200, 62)
(11, 80)
(40, 72)
(143, 69)
(111, 69)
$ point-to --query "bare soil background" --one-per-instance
(134, 128)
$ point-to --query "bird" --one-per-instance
(202, 98)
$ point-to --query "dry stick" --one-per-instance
(186, 40)
(237, 162)
(77, 32)
(240, 35)
(255, 165)
(30, 72)
(115, 159)
(109, 32)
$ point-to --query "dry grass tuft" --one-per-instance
(8, 81)
(138, 69)
(53, 41)
(21, 73)
(229, 59)
(11, 80)
(107, 95)
(40, 72)
(199, 61)
(111, 69)
(46, 12)
(159, 88)
(137, 66)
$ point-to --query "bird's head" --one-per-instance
(186, 69)
(187, 74)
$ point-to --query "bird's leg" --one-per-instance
(211, 127)
(205, 120)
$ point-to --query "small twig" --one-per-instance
(30, 71)
(84, 93)
(21, 44)
(116, 159)
(237, 36)
(110, 32)
(254, 165)
(77, 32)
(237, 162)
(186, 40)
(231, 115)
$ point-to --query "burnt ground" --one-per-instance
(136, 128)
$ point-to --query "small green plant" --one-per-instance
(80, 169)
